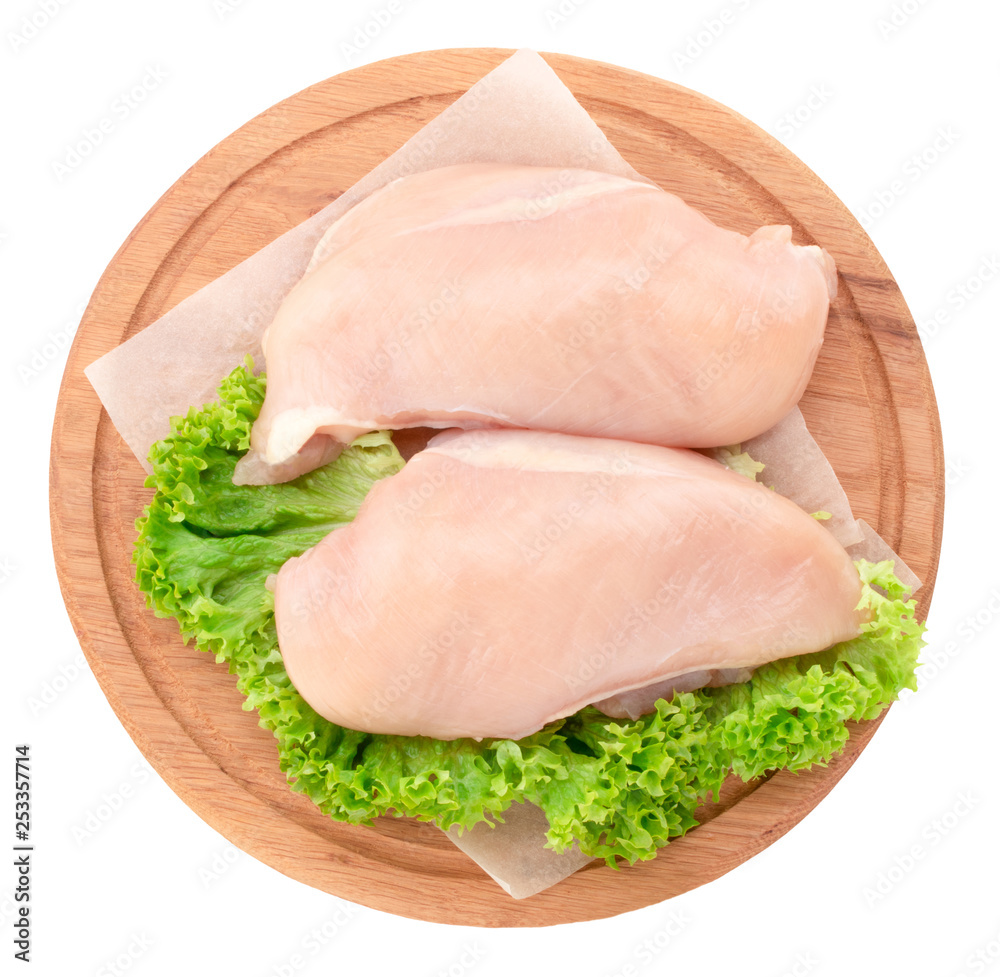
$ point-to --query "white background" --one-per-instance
(144, 889)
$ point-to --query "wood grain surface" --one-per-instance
(870, 405)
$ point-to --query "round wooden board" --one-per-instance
(870, 405)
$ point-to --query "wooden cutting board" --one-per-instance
(870, 405)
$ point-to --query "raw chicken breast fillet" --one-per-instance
(504, 579)
(487, 295)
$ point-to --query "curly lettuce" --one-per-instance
(617, 789)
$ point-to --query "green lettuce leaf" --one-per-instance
(617, 789)
(739, 461)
